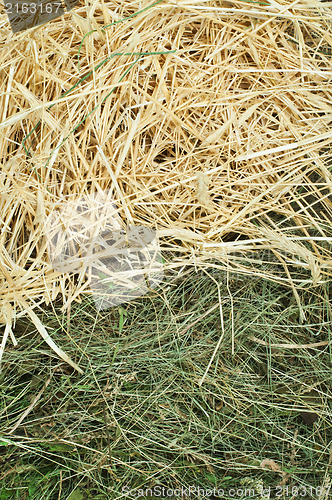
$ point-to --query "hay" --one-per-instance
(207, 121)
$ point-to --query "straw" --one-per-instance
(209, 122)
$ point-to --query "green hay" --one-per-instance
(139, 417)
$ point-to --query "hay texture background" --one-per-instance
(208, 121)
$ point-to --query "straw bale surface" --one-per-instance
(208, 121)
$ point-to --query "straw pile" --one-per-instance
(207, 121)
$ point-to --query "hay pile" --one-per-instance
(207, 121)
